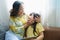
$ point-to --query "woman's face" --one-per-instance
(21, 11)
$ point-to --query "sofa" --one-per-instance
(51, 33)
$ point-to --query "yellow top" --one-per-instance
(39, 29)
(17, 24)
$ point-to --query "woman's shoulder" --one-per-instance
(25, 15)
(12, 18)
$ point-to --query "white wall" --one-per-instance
(5, 7)
(54, 16)
(58, 14)
(9, 4)
(4, 16)
(51, 13)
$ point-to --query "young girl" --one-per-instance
(35, 29)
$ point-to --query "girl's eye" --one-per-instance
(36, 17)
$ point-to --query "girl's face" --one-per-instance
(38, 19)
(21, 11)
(30, 19)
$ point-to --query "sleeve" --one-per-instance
(14, 27)
(24, 19)
(39, 28)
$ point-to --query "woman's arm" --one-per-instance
(16, 29)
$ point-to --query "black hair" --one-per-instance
(15, 9)
(33, 25)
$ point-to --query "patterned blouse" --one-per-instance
(17, 24)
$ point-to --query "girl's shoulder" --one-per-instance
(39, 24)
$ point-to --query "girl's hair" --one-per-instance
(33, 25)
(15, 9)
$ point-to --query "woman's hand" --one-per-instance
(29, 22)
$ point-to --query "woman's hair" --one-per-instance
(33, 25)
(15, 9)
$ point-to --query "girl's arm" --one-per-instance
(40, 37)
